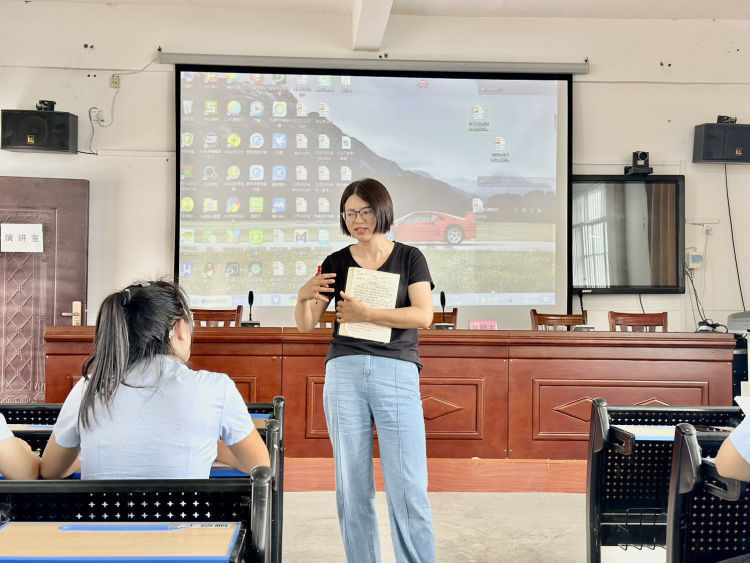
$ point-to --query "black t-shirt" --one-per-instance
(410, 264)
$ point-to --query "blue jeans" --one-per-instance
(358, 391)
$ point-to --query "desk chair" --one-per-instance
(627, 479)
(450, 317)
(327, 320)
(541, 321)
(637, 322)
(243, 500)
(217, 317)
(708, 518)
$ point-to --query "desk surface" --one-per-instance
(259, 419)
(69, 541)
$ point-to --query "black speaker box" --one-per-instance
(48, 131)
(721, 142)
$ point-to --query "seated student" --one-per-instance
(140, 412)
(733, 459)
(17, 461)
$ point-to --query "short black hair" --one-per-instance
(374, 193)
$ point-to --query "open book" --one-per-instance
(377, 290)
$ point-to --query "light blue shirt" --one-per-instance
(740, 437)
(164, 424)
(5, 432)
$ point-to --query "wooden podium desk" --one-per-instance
(488, 394)
(106, 541)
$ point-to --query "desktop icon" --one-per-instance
(277, 236)
(256, 204)
(279, 78)
(256, 78)
(346, 142)
(346, 81)
(256, 108)
(278, 268)
(233, 236)
(187, 204)
(478, 112)
(232, 269)
(209, 173)
(256, 140)
(301, 139)
(255, 270)
(187, 139)
(210, 107)
(208, 236)
(186, 269)
(232, 77)
(187, 171)
(278, 205)
(301, 79)
(323, 109)
(300, 268)
(233, 172)
(325, 80)
(323, 173)
(324, 237)
(210, 140)
(301, 172)
(323, 141)
(187, 107)
(233, 141)
(208, 270)
(256, 236)
(211, 78)
(279, 141)
(300, 236)
(276, 299)
(210, 205)
(279, 173)
(323, 205)
(256, 172)
(499, 143)
(346, 174)
(300, 205)
(233, 205)
(187, 235)
(234, 108)
(279, 109)
(301, 109)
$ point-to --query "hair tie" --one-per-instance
(125, 297)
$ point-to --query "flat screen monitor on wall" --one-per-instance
(476, 164)
(627, 234)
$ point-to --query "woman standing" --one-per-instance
(139, 412)
(371, 382)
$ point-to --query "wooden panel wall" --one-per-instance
(486, 394)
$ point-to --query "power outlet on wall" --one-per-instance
(97, 115)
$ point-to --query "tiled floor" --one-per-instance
(469, 528)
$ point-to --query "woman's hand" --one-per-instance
(349, 310)
(316, 287)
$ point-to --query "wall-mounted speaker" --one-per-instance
(721, 142)
(48, 131)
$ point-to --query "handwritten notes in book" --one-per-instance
(377, 290)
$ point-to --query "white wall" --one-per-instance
(650, 82)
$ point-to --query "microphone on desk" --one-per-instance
(250, 321)
(443, 325)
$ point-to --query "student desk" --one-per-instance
(104, 541)
(630, 453)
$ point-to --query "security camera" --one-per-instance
(640, 164)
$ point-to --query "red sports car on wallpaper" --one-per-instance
(434, 226)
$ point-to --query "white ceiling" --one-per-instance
(370, 17)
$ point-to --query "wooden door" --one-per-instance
(38, 287)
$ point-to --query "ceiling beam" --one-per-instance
(369, 20)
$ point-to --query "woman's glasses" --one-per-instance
(365, 213)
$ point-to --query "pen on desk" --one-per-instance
(320, 270)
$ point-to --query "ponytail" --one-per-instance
(132, 326)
